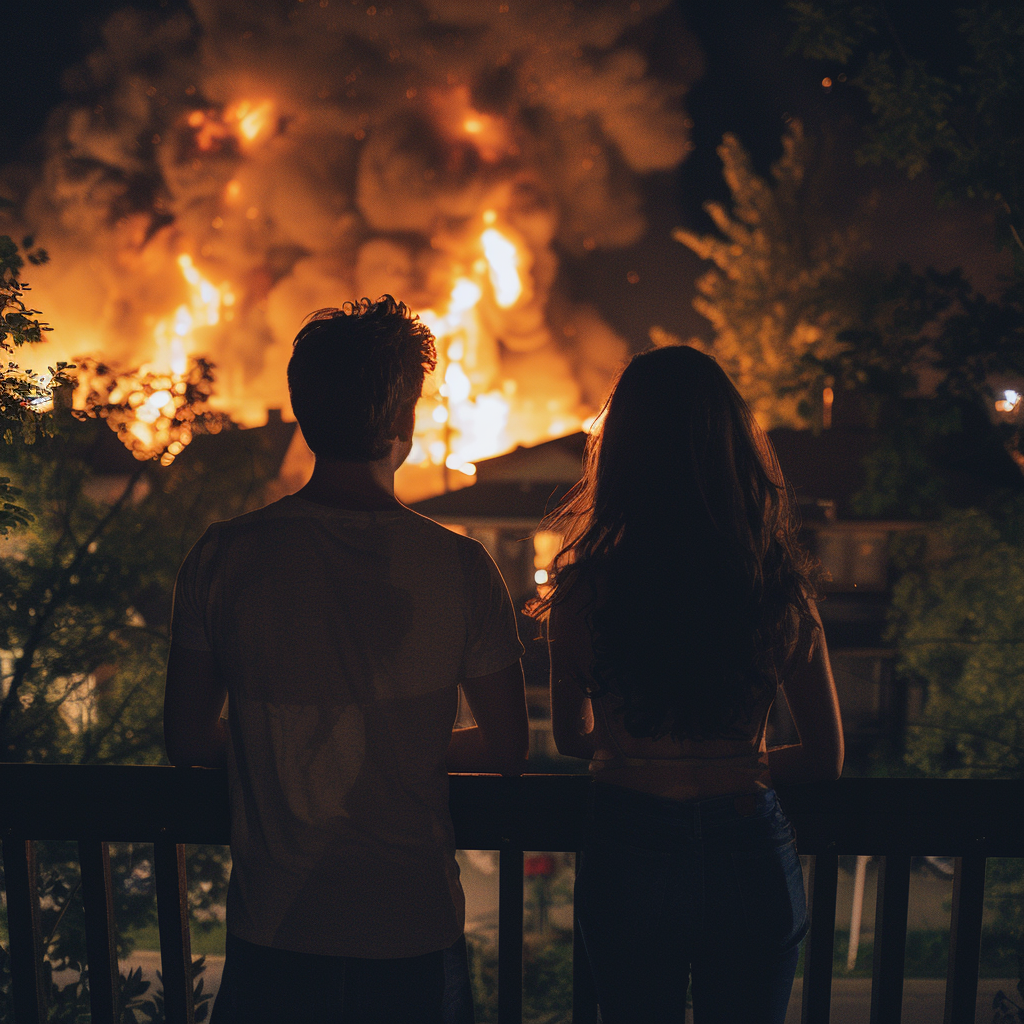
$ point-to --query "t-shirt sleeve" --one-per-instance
(492, 639)
(188, 612)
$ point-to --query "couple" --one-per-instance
(342, 624)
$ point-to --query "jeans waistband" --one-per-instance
(611, 802)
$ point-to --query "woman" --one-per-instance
(680, 606)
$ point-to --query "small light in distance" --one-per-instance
(1009, 401)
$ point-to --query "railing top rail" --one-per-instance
(866, 816)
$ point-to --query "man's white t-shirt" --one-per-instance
(342, 637)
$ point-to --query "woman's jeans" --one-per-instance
(708, 888)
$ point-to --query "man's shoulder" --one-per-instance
(468, 548)
(224, 529)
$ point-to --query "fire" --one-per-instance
(150, 409)
(251, 118)
(465, 413)
(245, 121)
(502, 263)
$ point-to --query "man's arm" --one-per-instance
(194, 732)
(500, 740)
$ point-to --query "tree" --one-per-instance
(87, 587)
(797, 306)
(957, 619)
(21, 392)
(775, 297)
(956, 117)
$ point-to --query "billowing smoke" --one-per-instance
(220, 173)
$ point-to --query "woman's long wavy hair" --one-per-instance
(682, 526)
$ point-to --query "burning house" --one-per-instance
(218, 174)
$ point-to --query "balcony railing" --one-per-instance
(894, 819)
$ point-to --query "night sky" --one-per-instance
(749, 86)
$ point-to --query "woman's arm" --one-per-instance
(572, 717)
(810, 692)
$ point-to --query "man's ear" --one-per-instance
(405, 423)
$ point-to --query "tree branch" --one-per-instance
(24, 663)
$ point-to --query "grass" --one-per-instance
(927, 955)
(204, 943)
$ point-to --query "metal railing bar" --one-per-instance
(820, 942)
(510, 935)
(175, 941)
(100, 933)
(584, 994)
(965, 939)
(25, 937)
(891, 908)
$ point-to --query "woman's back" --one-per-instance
(678, 768)
(680, 607)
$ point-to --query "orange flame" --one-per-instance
(464, 415)
(251, 118)
(503, 263)
(153, 399)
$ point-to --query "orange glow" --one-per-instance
(244, 120)
(503, 264)
(152, 398)
(467, 412)
(252, 118)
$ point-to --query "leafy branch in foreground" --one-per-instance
(24, 395)
(961, 123)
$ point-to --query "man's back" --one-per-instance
(341, 636)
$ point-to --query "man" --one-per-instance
(341, 624)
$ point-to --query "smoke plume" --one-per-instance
(249, 163)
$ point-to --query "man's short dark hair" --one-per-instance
(353, 372)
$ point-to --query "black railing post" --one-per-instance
(175, 941)
(28, 975)
(890, 939)
(100, 934)
(818, 951)
(584, 995)
(965, 939)
(510, 934)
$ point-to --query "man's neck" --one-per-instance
(359, 486)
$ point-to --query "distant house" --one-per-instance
(514, 492)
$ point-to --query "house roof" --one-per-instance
(557, 461)
(526, 484)
(264, 445)
(496, 503)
